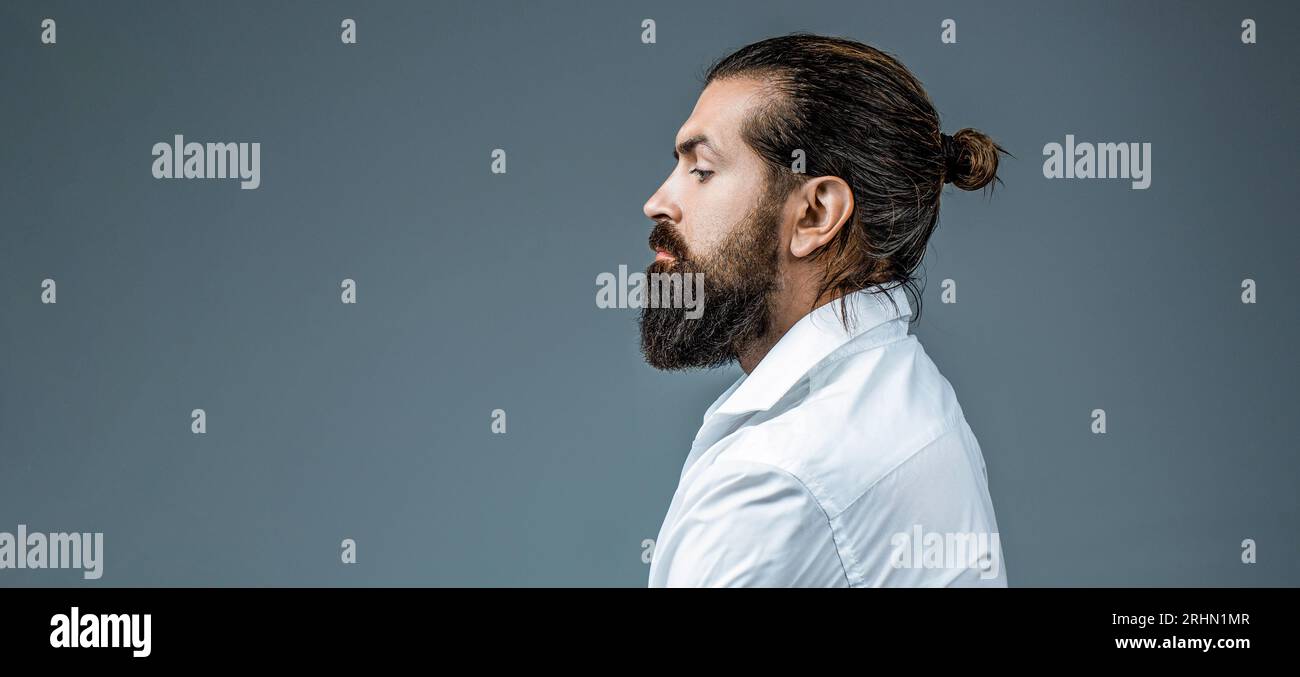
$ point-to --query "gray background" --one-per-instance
(477, 291)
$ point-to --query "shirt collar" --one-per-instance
(811, 339)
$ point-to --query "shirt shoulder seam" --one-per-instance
(944, 432)
(830, 525)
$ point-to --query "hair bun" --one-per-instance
(970, 159)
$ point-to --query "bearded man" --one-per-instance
(806, 188)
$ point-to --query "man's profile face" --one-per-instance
(714, 216)
(717, 178)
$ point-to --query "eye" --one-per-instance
(704, 174)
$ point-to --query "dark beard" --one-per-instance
(739, 279)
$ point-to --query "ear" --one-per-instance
(824, 205)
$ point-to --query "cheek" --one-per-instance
(705, 231)
(717, 214)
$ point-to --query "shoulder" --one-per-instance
(856, 421)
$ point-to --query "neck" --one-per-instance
(785, 313)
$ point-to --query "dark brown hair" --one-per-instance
(859, 114)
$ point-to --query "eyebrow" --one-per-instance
(687, 147)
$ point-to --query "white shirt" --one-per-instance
(842, 460)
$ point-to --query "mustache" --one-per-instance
(667, 238)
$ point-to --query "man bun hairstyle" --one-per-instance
(974, 161)
(857, 113)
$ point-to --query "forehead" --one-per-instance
(723, 107)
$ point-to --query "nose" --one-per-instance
(661, 206)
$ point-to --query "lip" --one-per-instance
(661, 255)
